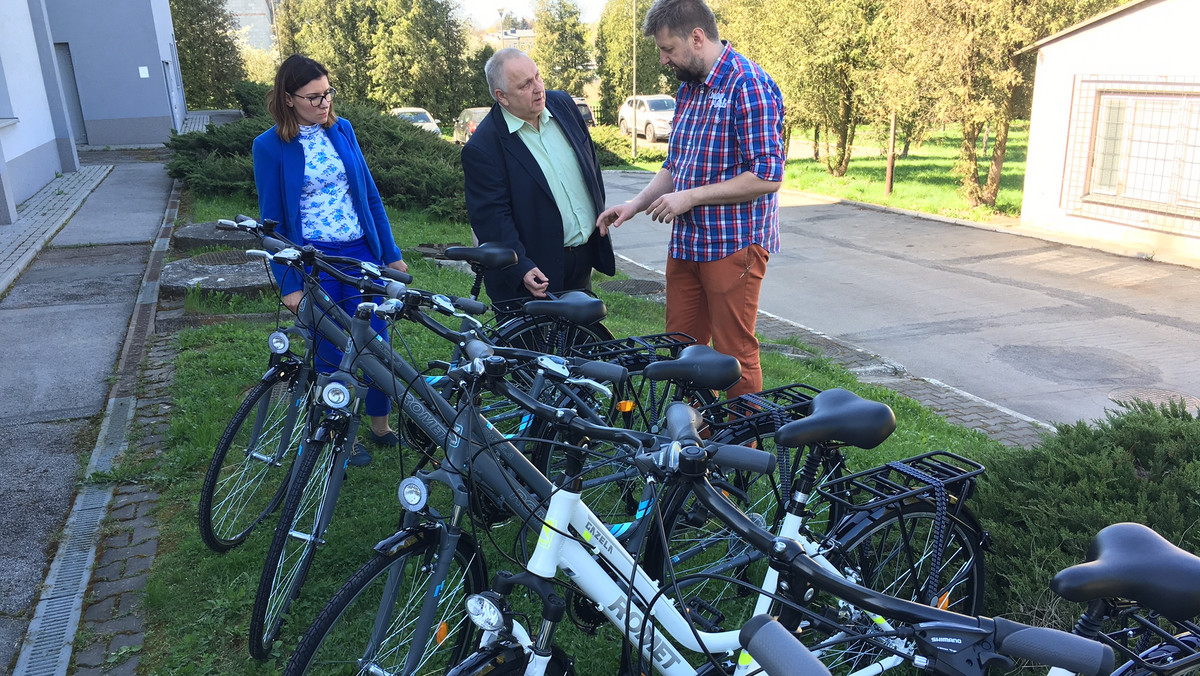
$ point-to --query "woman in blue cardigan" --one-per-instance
(312, 178)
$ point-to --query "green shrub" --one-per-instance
(413, 169)
(614, 148)
(1044, 504)
(251, 98)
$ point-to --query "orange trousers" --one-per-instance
(717, 301)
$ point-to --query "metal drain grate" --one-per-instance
(634, 287)
(1153, 395)
(221, 258)
(48, 643)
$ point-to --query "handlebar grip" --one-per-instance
(683, 421)
(243, 218)
(602, 371)
(477, 349)
(274, 245)
(777, 650)
(1053, 647)
(396, 275)
(742, 458)
(469, 306)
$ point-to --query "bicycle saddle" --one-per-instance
(490, 255)
(840, 415)
(697, 367)
(1131, 561)
(574, 306)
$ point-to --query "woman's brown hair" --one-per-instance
(293, 73)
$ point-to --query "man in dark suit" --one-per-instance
(533, 184)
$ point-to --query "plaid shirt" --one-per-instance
(729, 124)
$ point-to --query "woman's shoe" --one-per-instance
(361, 457)
(389, 440)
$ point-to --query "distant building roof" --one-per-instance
(1094, 21)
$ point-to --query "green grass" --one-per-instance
(923, 181)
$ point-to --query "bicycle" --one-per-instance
(573, 541)
(249, 472)
(317, 479)
(1142, 599)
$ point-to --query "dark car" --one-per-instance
(585, 110)
(466, 122)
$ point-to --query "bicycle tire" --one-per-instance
(289, 558)
(548, 334)
(244, 484)
(888, 551)
(341, 634)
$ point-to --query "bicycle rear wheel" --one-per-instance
(892, 551)
(368, 625)
(248, 473)
(549, 335)
(295, 542)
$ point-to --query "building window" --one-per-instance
(1134, 153)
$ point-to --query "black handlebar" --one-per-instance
(1051, 646)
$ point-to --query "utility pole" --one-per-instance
(633, 125)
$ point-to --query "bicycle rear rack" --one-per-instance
(764, 412)
(635, 352)
(1159, 649)
(903, 480)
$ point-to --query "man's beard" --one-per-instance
(690, 72)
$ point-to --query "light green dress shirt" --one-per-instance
(559, 164)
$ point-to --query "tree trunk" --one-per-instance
(817, 141)
(967, 166)
(992, 188)
(844, 130)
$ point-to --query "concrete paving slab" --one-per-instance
(42, 463)
(127, 208)
(71, 380)
(73, 275)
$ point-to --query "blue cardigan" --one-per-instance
(279, 176)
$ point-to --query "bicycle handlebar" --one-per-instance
(1053, 647)
(777, 650)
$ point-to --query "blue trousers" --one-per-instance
(348, 298)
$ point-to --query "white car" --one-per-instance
(653, 118)
(419, 117)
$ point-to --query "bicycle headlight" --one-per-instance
(413, 494)
(336, 395)
(278, 342)
(486, 610)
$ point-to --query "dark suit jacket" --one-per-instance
(509, 200)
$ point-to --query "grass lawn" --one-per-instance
(923, 181)
(199, 602)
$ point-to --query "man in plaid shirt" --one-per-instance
(717, 189)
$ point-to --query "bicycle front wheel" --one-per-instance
(368, 625)
(249, 469)
(295, 542)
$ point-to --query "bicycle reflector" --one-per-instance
(624, 406)
(486, 610)
(336, 395)
(413, 494)
(278, 342)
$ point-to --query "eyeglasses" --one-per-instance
(315, 100)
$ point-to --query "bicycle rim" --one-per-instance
(374, 616)
(249, 469)
(293, 546)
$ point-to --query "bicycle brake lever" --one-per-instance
(590, 384)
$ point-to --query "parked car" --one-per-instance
(653, 118)
(585, 110)
(466, 122)
(419, 117)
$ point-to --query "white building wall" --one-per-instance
(1158, 39)
(26, 90)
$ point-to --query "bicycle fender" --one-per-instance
(508, 657)
(407, 537)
